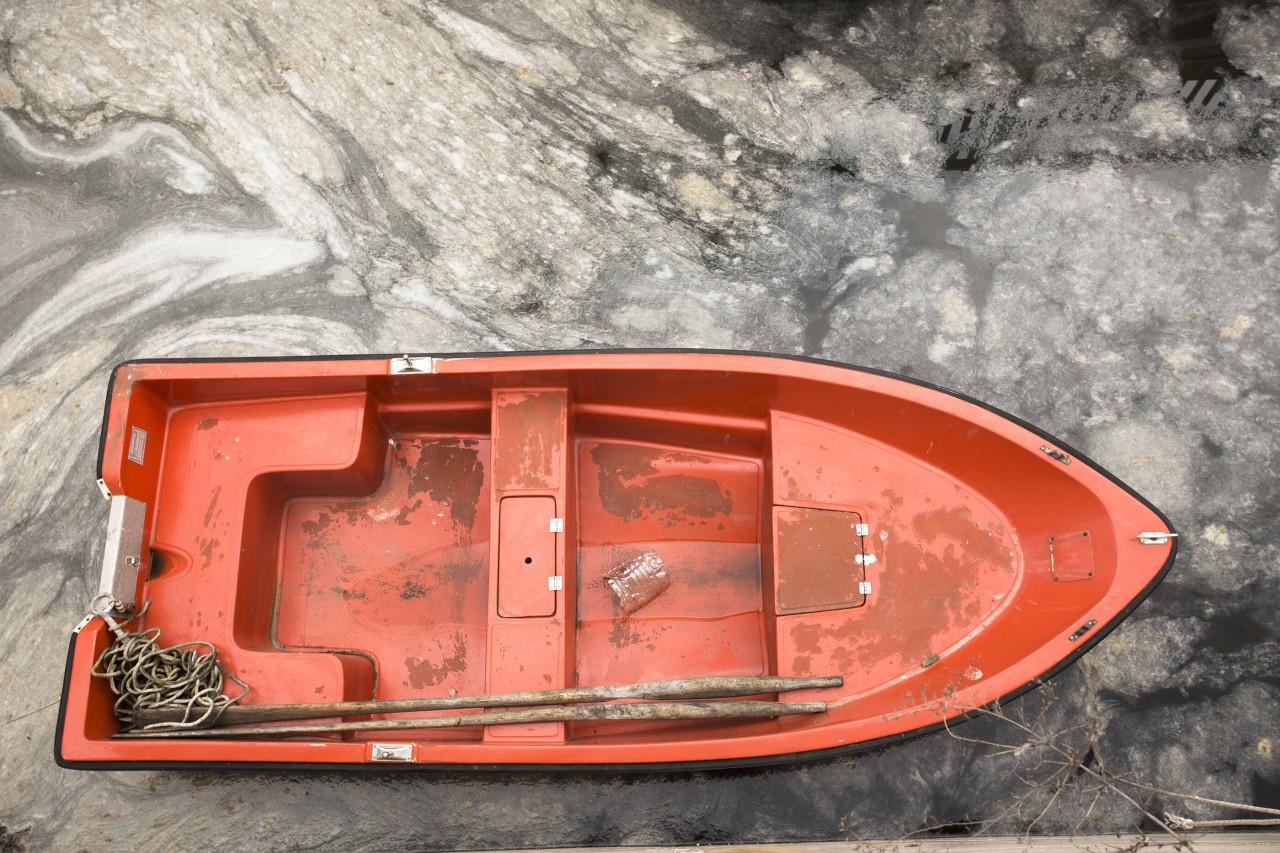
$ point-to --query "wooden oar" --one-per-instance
(556, 714)
(707, 687)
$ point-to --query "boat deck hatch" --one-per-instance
(819, 557)
(527, 557)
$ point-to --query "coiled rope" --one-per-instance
(178, 678)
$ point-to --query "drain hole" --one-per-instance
(159, 565)
(528, 560)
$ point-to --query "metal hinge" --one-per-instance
(864, 587)
(400, 752)
(556, 525)
(1156, 537)
(412, 364)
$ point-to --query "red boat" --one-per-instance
(394, 529)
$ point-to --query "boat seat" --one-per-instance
(527, 637)
(221, 535)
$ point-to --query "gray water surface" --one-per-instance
(1095, 253)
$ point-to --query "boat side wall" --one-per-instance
(1050, 439)
(720, 764)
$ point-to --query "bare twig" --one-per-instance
(52, 704)
(1043, 752)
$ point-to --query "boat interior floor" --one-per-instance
(485, 542)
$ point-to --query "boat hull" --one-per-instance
(378, 527)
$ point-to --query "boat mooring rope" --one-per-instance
(177, 678)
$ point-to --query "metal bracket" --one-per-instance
(1071, 557)
(104, 488)
(1082, 630)
(122, 557)
(401, 752)
(412, 364)
(1056, 454)
(1156, 537)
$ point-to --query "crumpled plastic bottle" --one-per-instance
(638, 581)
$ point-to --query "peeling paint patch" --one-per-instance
(633, 484)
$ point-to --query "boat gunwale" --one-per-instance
(1088, 643)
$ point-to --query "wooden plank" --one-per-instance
(705, 687)
(555, 714)
(1201, 842)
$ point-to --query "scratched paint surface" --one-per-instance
(532, 425)
(700, 513)
(400, 574)
(945, 560)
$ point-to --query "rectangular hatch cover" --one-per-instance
(819, 558)
(527, 572)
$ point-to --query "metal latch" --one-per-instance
(392, 752)
(122, 557)
(412, 364)
(1082, 630)
(1056, 454)
(1156, 537)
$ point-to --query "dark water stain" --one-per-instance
(631, 486)
(1266, 792)
(349, 594)
(925, 226)
(1192, 30)
(1212, 449)
(411, 590)
(1236, 634)
(402, 515)
(13, 841)
(206, 550)
(623, 633)
(314, 528)
(531, 426)
(213, 503)
(926, 582)
(450, 472)
(425, 673)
